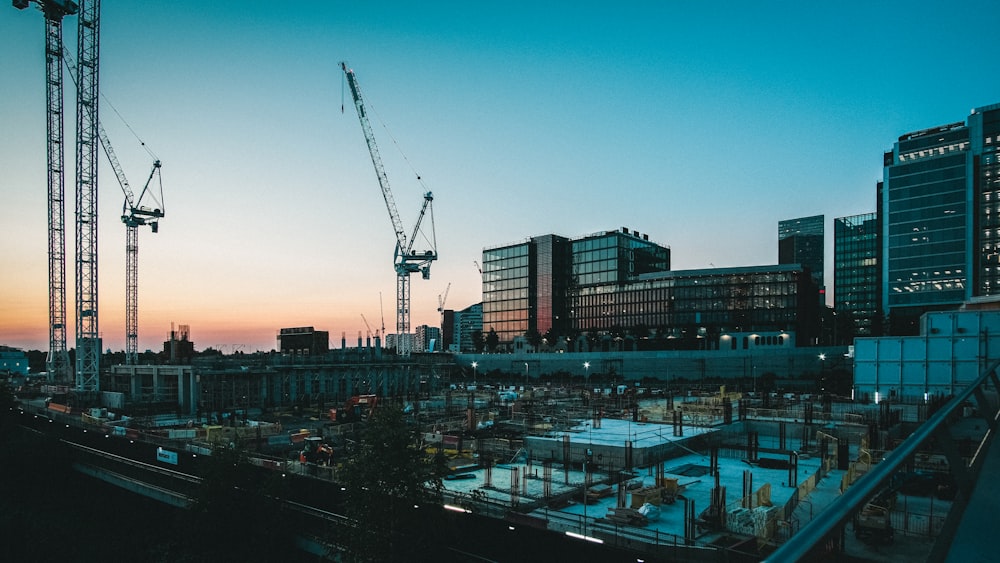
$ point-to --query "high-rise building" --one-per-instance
(468, 322)
(801, 241)
(524, 286)
(941, 229)
(427, 339)
(857, 273)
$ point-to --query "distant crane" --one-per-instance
(405, 260)
(57, 361)
(478, 268)
(134, 215)
(369, 326)
(442, 299)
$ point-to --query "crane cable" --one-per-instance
(70, 63)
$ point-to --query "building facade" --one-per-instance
(941, 230)
(303, 340)
(527, 286)
(857, 274)
(13, 361)
(468, 323)
(619, 284)
(802, 241)
(951, 351)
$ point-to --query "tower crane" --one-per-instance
(406, 260)
(88, 336)
(369, 326)
(442, 299)
(57, 360)
(134, 215)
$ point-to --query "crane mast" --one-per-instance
(134, 215)
(57, 361)
(405, 260)
(88, 346)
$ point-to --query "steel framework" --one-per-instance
(57, 360)
(88, 346)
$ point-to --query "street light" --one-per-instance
(525, 376)
(586, 371)
(474, 372)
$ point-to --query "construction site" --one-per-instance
(664, 474)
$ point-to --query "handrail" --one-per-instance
(799, 546)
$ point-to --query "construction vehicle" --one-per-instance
(315, 450)
(355, 409)
(406, 260)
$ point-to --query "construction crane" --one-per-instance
(442, 299)
(134, 215)
(369, 326)
(57, 361)
(406, 260)
(88, 336)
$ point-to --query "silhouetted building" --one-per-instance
(941, 218)
(802, 241)
(857, 276)
(179, 349)
(447, 329)
(304, 341)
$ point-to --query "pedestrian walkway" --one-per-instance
(976, 539)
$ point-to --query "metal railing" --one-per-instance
(835, 516)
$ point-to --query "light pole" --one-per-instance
(525, 376)
(586, 371)
(474, 372)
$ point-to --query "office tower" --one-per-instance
(801, 241)
(941, 230)
(857, 274)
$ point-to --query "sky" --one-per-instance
(700, 124)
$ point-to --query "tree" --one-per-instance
(534, 338)
(236, 515)
(492, 341)
(477, 341)
(392, 492)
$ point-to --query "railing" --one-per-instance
(820, 530)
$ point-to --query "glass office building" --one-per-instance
(801, 241)
(618, 282)
(525, 285)
(940, 227)
(857, 274)
(698, 306)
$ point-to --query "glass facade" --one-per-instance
(620, 282)
(698, 304)
(987, 179)
(553, 262)
(856, 273)
(616, 257)
(506, 290)
(926, 231)
(801, 241)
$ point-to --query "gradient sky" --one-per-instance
(698, 123)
